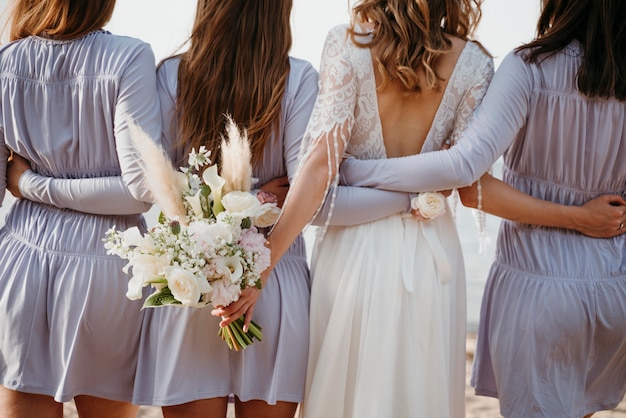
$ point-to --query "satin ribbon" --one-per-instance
(412, 227)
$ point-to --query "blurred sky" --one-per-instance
(165, 24)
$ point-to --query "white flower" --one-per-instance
(132, 237)
(135, 286)
(196, 205)
(224, 293)
(231, 267)
(185, 287)
(210, 233)
(216, 183)
(266, 215)
(241, 204)
(429, 204)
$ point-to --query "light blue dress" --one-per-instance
(552, 331)
(182, 359)
(66, 327)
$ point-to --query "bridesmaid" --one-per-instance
(66, 330)
(237, 63)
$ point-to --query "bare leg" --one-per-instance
(205, 408)
(93, 407)
(260, 409)
(15, 404)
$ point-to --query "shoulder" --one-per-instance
(300, 69)
(167, 75)
(121, 43)
(338, 36)
(117, 53)
(303, 78)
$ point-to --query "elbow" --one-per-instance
(469, 196)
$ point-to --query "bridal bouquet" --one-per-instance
(205, 248)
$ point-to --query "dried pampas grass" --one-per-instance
(236, 168)
(161, 177)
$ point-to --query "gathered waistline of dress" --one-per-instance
(499, 263)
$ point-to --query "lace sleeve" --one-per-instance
(332, 117)
(472, 99)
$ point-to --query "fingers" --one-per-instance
(248, 318)
(615, 200)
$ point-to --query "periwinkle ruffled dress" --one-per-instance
(182, 359)
(66, 327)
(552, 331)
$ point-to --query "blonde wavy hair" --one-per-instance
(408, 36)
(237, 64)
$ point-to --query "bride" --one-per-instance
(388, 294)
(388, 297)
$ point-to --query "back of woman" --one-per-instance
(563, 293)
(64, 107)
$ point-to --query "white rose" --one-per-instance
(184, 286)
(429, 204)
(266, 215)
(241, 204)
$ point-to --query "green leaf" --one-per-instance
(162, 218)
(258, 284)
(246, 223)
(161, 298)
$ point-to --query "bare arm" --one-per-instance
(602, 217)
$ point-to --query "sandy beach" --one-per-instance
(476, 406)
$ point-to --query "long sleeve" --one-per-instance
(358, 205)
(493, 127)
(100, 195)
(120, 195)
(137, 101)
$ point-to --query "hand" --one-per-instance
(243, 306)
(603, 217)
(16, 166)
(278, 186)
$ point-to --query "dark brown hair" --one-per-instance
(411, 34)
(61, 19)
(600, 28)
(237, 64)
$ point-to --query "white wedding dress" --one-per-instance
(388, 296)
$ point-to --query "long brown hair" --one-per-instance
(411, 34)
(237, 64)
(61, 19)
(599, 26)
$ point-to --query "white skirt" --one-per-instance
(387, 321)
